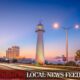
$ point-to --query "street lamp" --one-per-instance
(66, 29)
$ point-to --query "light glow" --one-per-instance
(77, 26)
(55, 25)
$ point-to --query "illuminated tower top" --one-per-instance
(40, 27)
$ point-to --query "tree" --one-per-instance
(77, 56)
(70, 63)
(14, 60)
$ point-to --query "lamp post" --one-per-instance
(56, 26)
(66, 31)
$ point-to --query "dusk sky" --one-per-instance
(19, 18)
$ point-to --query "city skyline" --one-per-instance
(19, 20)
(13, 52)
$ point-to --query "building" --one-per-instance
(13, 52)
(40, 45)
(26, 60)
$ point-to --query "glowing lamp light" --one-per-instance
(55, 25)
(40, 27)
(77, 26)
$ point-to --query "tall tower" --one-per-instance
(40, 45)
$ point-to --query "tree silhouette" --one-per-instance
(77, 56)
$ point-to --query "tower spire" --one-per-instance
(40, 45)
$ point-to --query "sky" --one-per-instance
(19, 19)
